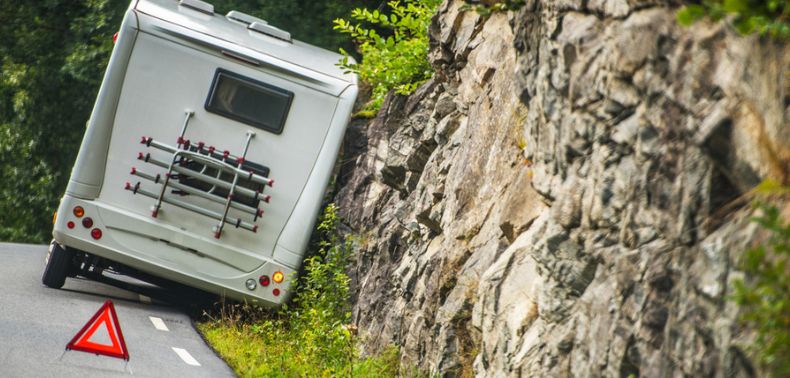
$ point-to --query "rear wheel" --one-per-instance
(58, 266)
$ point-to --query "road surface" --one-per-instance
(37, 322)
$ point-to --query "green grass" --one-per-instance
(276, 353)
(312, 336)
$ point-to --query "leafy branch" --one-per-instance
(765, 295)
(393, 45)
(766, 17)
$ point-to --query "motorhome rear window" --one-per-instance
(249, 101)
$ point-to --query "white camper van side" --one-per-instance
(207, 154)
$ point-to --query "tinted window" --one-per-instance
(249, 101)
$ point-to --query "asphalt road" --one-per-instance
(37, 322)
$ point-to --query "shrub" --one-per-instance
(394, 47)
(764, 296)
(312, 336)
(766, 17)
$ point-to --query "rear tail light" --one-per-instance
(96, 233)
(115, 37)
(70, 224)
(264, 280)
(278, 277)
(87, 222)
(79, 211)
(276, 292)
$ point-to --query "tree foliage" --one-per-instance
(53, 55)
(766, 17)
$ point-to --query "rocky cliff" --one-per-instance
(566, 195)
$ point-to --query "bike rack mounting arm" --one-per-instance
(185, 151)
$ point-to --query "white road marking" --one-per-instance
(158, 323)
(186, 357)
(144, 299)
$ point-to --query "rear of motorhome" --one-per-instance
(207, 154)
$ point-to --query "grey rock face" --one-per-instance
(564, 198)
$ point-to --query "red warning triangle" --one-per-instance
(104, 317)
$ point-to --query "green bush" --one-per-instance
(394, 47)
(764, 296)
(766, 17)
(312, 337)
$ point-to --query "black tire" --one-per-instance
(58, 266)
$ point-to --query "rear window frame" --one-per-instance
(257, 84)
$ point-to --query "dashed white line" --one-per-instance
(186, 357)
(158, 323)
(144, 299)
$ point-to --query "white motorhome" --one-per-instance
(207, 154)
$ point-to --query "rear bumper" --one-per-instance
(163, 259)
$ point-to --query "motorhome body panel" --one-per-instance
(180, 265)
(163, 66)
(318, 80)
(267, 53)
(295, 52)
(86, 176)
(165, 79)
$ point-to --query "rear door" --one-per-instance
(164, 80)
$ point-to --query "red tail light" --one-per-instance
(87, 222)
(96, 233)
(264, 281)
(276, 292)
(115, 37)
(70, 224)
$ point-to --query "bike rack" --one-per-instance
(185, 152)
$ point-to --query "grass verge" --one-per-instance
(312, 336)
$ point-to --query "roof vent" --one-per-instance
(262, 27)
(200, 6)
(243, 17)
